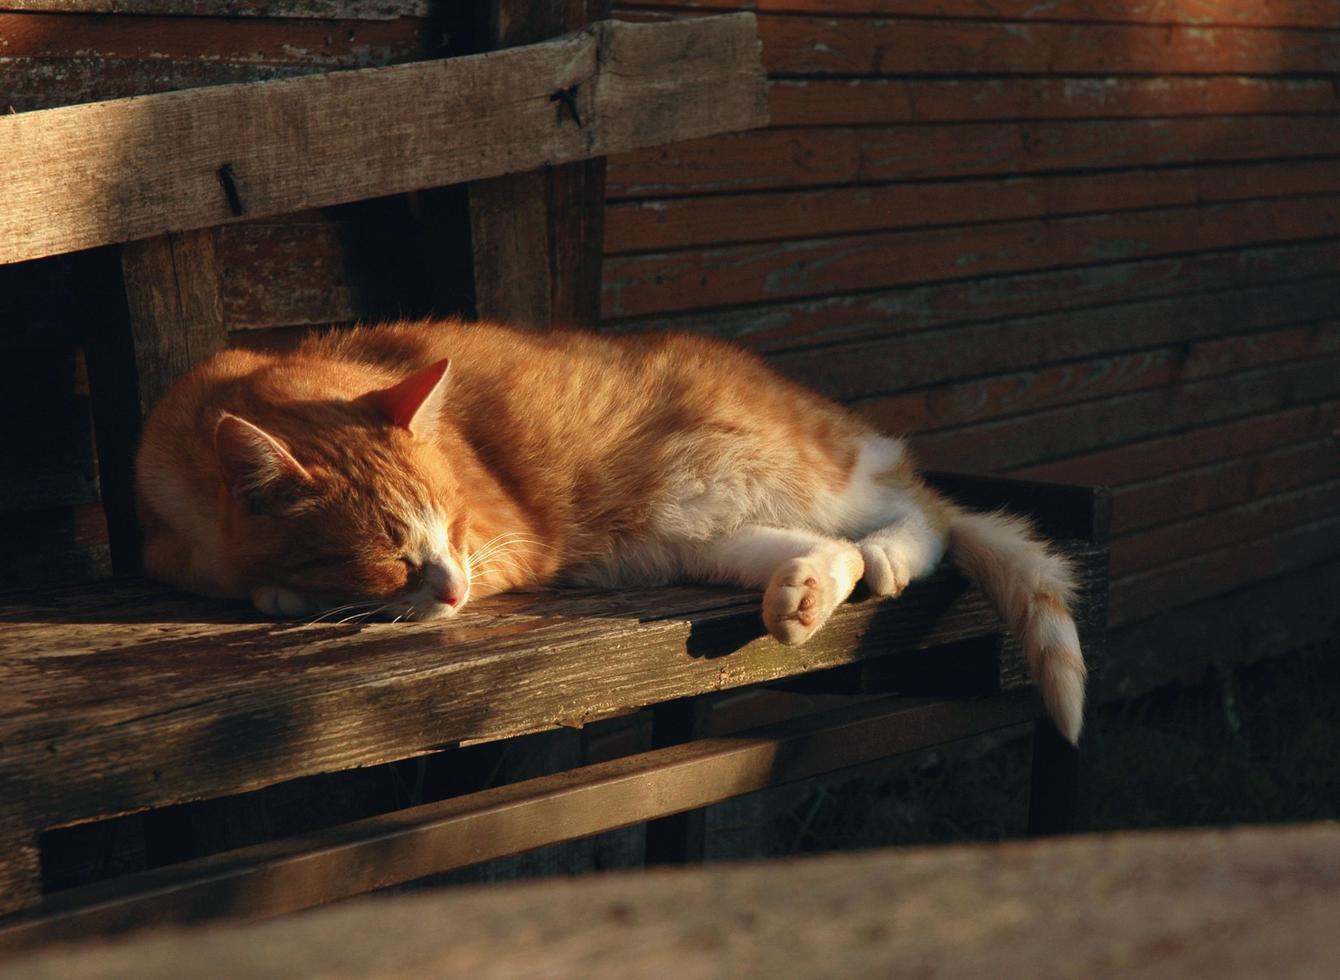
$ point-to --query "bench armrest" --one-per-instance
(1062, 511)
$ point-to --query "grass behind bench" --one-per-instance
(1255, 745)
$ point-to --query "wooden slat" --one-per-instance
(58, 37)
(324, 9)
(536, 236)
(958, 403)
(1221, 570)
(294, 700)
(1257, 13)
(1217, 486)
(867, 101)
(1208, 444)
(176, 312)
(1061, 432)
(651, 225)
(1269, 617)
(884, 46)
(941, 356)
(1258, 518)
(1057, 510)
(816, 156)
(739, 274)
(852, 316)
(356, 858)
(114, 171)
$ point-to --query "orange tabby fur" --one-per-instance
(359, 472)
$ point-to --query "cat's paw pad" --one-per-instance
(796, 603)
(274, 600)
(888, 567)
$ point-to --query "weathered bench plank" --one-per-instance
(121, 696)
(107, 172)
(118, 697)
(312, 869)
(1249, 902)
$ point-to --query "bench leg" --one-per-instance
(678, 838)
(1054, 791)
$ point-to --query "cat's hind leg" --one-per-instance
(905, 549)
(900, 525)
(804, 576)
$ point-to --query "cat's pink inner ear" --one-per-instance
(253, 462)
(416, 402)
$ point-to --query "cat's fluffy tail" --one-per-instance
(1032, 587)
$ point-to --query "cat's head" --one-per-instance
(346, 503)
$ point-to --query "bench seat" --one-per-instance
(123, 696)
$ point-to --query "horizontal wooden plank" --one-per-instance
(807, 157)
(289, 146)
(1272, 617)
(293, 699)
(324, 9)
(1220, 485)
(867, 101)
(886, 46)
(960, 402)
(77, 36)
(651, 225)
(1057, 433)
(1222, 570)
(639, 285)
(852, 316)
(1155, 547)
(985, 351)
(1258, 13)
(1159, 457)
(377, 852)
(31, 83)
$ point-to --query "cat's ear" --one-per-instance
(416, 402)
(258, 471)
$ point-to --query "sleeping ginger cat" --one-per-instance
(360, 471)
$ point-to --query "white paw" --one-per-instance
(796, 602)
(889, 563)
(276, 601)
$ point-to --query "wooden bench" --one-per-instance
(121, 698)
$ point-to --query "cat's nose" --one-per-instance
(445, 583)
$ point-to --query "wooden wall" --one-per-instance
(1084, 240)
(1088, 240)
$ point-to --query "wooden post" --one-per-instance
(537, 237)
(172, 320)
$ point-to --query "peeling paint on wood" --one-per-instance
(1253, 13)
(324, 9)
(663, 282)
(859, 46)
(866, 101)
(633, 226)
(1071, 430)
(793, 158)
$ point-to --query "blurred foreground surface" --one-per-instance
(1247, 902)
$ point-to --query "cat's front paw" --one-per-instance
(274, 600)
(797, 602)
